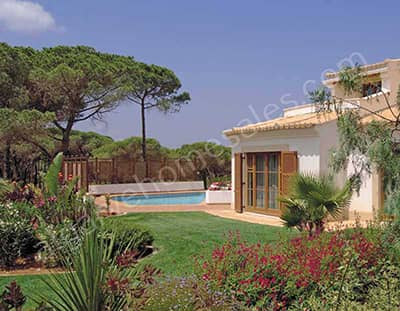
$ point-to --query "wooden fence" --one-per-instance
(76, 166)
(122, 170)
(115, 170)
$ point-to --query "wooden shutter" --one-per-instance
(288, 169)
(238, 182)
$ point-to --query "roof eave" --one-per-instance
(239, 131)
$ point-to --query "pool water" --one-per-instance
(163, 199)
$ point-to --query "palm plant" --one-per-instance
(312, 200)
(93, 280)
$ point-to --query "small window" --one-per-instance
(371, 88)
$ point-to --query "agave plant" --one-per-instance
(93, 280)
(312, 200)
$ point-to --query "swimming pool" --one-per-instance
(163, 199)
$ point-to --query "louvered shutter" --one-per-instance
(288, 169)
(238, 182)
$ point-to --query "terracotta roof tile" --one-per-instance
(298, 121)
(385, 115)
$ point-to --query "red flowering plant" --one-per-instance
(273, 276)
(219, 185)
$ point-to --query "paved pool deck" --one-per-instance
(220, 210)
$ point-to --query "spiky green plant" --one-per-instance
(85, 284)
(51, 178)
(311, 200)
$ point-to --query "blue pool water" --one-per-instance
(163, 199)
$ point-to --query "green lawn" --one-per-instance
(178, 238)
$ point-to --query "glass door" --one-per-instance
(260, 181)
(263, 182)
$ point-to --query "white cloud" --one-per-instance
(25, 17)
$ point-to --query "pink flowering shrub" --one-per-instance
(273, 276)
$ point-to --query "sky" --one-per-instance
(241, 61)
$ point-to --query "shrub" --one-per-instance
(128, 236)
(93, 279)
(383, 294)
(17, 233)
(55, 239)
(17, 240)
(275, 276)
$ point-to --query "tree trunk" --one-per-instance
(66, 136)
(144, 155)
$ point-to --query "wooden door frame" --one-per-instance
(266, 210)
(238, 182)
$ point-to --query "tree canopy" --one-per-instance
(151, 86)
(130, 148)
(23, 136)
(55, 88)
(76, 83)
(14, 73)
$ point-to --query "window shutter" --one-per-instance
(288, 169)
(238, 182)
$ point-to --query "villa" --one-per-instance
(266, 154)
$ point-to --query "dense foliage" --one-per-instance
(126, 235)
(130, 148)
(48, 91)
(18, 237)
(38, 225)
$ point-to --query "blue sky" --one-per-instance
(236, 58)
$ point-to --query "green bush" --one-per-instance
(17, 234)
(57, 238)
(128, 236)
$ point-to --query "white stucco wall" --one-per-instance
(314, 147)
(328, 141)
(361, 202)
(305, 141)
